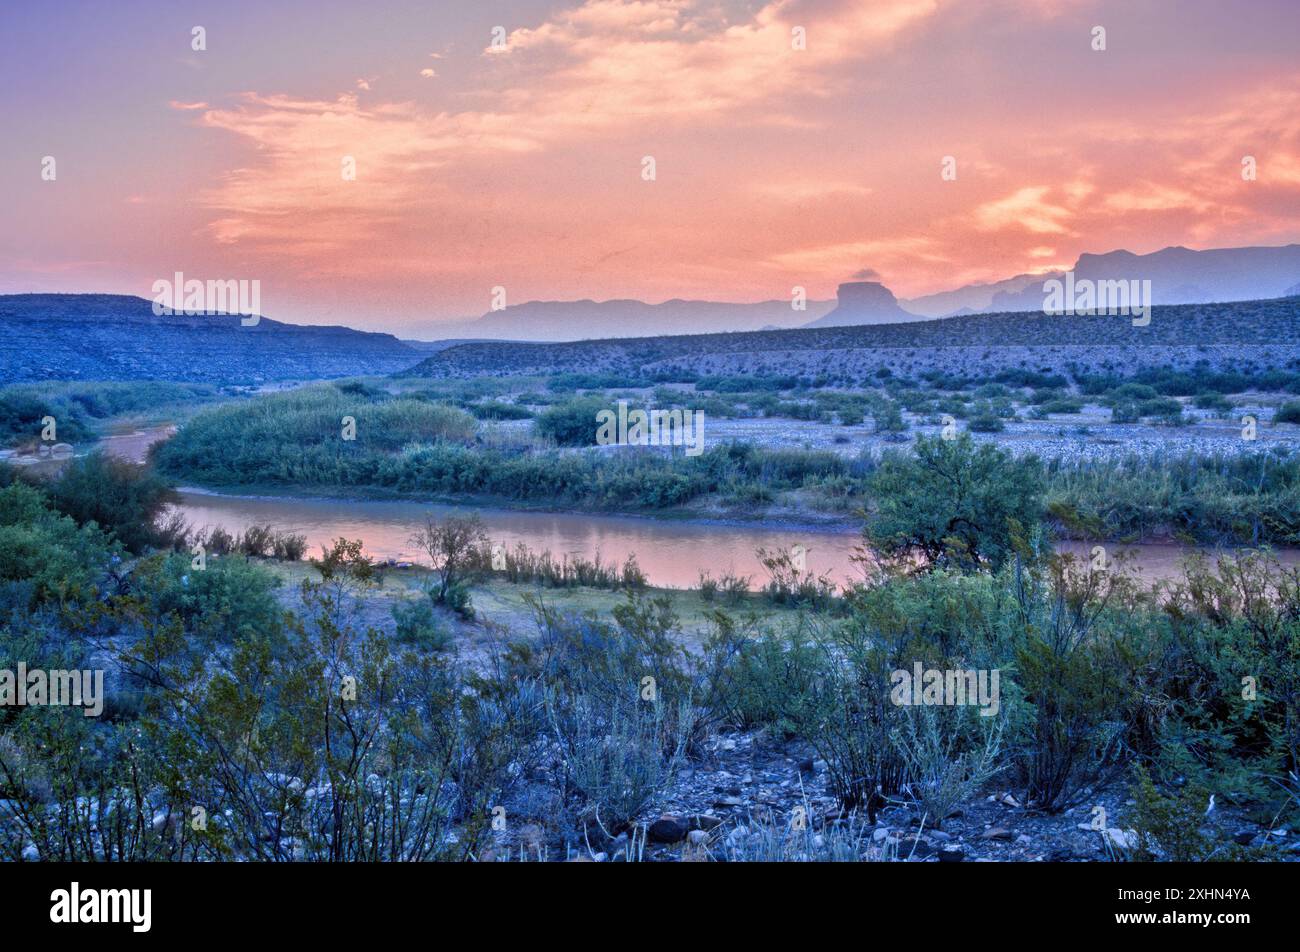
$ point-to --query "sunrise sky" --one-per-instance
(522, 167)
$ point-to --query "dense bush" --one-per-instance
(495, 410)
(986, 422)
(573, 423)
(124, 499)
(1245, 499)
(45, 555)
(952, 502)
(1288, 412)
(77, 408)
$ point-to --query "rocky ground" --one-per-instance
(1235, 335)
(745, 798)
(1088, 435)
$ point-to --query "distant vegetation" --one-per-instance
(79, 408)
(421, 443)
(407, 446)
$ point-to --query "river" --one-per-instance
(672, 553)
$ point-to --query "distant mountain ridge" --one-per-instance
(1178, 275)
(118, 337)
(586, 319)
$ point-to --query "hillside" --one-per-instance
(118, 337)
(1241, 334)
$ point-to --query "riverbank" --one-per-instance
(673, 545)
(672, 553)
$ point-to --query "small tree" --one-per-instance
(454, 547)
(953, 503)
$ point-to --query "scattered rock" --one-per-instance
(914, 848)
(668, 829)
(1122, 839)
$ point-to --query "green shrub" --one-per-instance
(45, 553)
(986, 423)
(1125, 412)
(790, 583)
(417, 624)
(952, 502)
(124, 499)
(1209, 400)
(1168, 828)
(495, 410)
(888, 417)
(617, 756)
(573, 423)
(1063, 405)
(1288, 412)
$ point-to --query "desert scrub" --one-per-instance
(986, 423)
(1250, 499)
(888, 417)
(572, 423)
(616, 756)
(950, 754)
(416, 623)
(791, 583)
(1168, 828)
(496, 410)
(1288, 412)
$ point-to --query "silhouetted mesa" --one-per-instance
(864, 302)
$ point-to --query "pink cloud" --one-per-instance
(777, 165)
